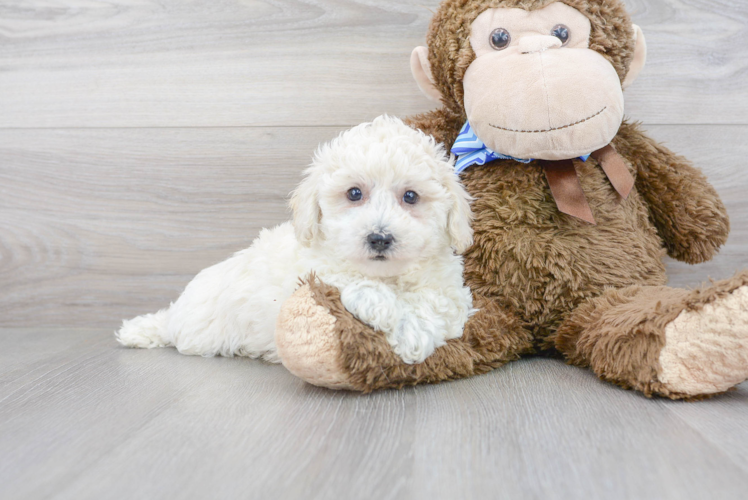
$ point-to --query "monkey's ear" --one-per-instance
(640, 57)
(421, 69)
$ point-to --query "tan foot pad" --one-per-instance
(308, 343)
(706, 351)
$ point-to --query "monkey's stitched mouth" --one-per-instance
(551, 129)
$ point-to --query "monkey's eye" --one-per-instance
(500, 39)
(354, 194)
(562, 33)
(410, 197)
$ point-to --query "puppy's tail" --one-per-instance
(146, 332)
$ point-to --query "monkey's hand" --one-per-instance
(686, 210)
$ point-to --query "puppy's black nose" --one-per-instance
(380, 242)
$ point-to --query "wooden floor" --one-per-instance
(142, 140)
(83, 418)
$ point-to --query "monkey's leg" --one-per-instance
(663, 341)
(322, 343)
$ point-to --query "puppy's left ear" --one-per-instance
(460, 216)
(306, 210)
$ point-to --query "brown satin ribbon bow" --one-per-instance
(567, 190)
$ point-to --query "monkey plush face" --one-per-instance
(535, 90)
(534, 87)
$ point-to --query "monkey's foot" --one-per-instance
(706, 349)
(664, 341)
(308, 342)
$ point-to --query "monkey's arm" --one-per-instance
(686, 210)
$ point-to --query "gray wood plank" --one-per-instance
(282, 62)
(691, 76)
(100, 225)
(100, 421)
(721, 423)
(187, 63)
(112, 218)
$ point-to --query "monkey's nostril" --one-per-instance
(380, 242)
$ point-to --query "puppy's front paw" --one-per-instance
(374, 304)
(413, 340)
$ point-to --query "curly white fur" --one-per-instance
(412, 291)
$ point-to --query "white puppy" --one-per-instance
(379, 215)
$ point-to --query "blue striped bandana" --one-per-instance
(471, 151)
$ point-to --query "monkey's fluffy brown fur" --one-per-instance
(545, 281)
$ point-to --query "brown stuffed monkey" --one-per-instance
(567, 253)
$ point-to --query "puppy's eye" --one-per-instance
(355, 194)
(562, 33)
(410, 197)
(500, 39)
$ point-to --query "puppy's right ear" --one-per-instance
(306, 210)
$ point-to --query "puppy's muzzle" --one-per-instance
(380, 243)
